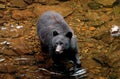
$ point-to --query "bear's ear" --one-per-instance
(55, 33)
(69, 35)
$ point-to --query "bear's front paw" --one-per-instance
(81, 73)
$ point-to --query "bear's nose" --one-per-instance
(58, 49)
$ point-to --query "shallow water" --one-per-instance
(20, 52)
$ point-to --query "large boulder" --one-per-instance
(18, 3)
(22, 14)
(106, 2)
(47, 2)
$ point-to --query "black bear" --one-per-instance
(57, 38)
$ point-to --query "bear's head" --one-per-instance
(61, 42)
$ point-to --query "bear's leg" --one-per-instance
(44, 48)
(76, 61)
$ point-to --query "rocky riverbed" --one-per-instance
(20, 53)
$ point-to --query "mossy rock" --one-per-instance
(94, 5)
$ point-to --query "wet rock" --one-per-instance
(39, 57)
(84, 4)
(5, 48)
(24, 60)
(39, 9)
(2, 22)
(95, 16)
(113, 76)
(40, 1)
(3, 32)
(92, 29)
(106, 2)
(1, 14)
(96, 19)
(3, 1)
(92, 16)
(109, 59)
(105, 18)
(18, 3)
(11, 68)
(3, 69)
(14, 30)
(114, 57)
(23, 38)
(22, 14)
(7, 68)
(117, 2)
(116, 11)
(20, 46)
(44, 2)
(104, 35)
(2, 59)
(29, 1)
(8, 52)
(103, 60)
(10, 33)
(96, 23)
(94, 5)
(33, 73)
(8, 76)
(47, 63)
(2, 6)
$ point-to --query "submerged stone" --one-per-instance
(2, 6)
(106, 2)
(94, 5)
(18, 3)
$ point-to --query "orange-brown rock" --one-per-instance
(20, 46)
(39, 9)
(18, 3)
(39, 57)
(28, 1)
(7, 68)
(22, 14)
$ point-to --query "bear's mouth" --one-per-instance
(59, 49)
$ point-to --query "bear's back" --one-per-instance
(51, 21)
(48, 18)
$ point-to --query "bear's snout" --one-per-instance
(59, 49)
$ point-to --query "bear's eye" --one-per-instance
(56, 43)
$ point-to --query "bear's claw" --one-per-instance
(80, 74)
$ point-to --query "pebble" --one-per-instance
(5, 42)
(106, 2)
(8, 76)
(3, 59)
(3, 28)
(18, 27)
(3, 1)
(18, 3)
(28, 1)
(115, 30)
(92, 28)
(22, 14)
(2, 6)
(1, 14)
